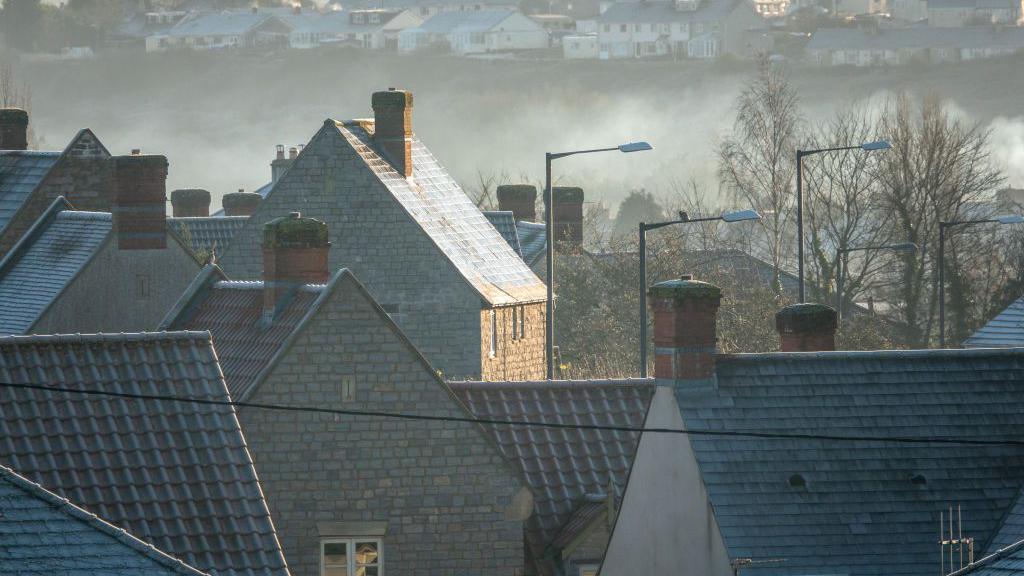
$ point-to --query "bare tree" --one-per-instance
(756, 162)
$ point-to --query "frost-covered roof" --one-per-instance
(21, 171)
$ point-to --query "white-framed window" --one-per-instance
(494, 333)
(351, 557)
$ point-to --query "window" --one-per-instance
(522, 321)
(350, 557)
(142, 286)
(622, 27)
(348, 389)
(494, 334)
(515, 322)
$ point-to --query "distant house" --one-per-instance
(31, 180)
(893, 47)
(176, 475)
(680, 29)
(86, 272)
(43, 533)
(412, 496)
(427, 8)
(375, 29)
(402, 224)
(213, 30)
(581, 46)
(1006, 330)
(475, 32)
(957, 13)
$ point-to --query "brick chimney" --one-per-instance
(392, 118)
(806, 328)
(241, 203)
(568, 217)
(521, 199)
(190, 202)
(294, 253)
(139, 206)
(685, 312)
(13, 129)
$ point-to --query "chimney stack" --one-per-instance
(568, 214)
(281, 163)
(190, 202)
(139, 207)
(241, 203)
(13, 129)
(685, 314)
(806, 328)
(392, 117)
(294, 253)
(520, 199)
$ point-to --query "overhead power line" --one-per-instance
(528, 423)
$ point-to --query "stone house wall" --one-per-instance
(444, 495)
(519, 342)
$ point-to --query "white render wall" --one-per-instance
(665, 511)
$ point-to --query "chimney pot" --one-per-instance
(136, 151)
(241, 203)
(13, 129)
(293, 153)
(520, 199)
(568, 212)
(280, 163)
(190, 202)
(685, 315)
(139, 207)
(280, 151)
(392, 114)
(295, 252)
(806, 328)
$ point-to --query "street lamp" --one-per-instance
(1007, 219)
(841, 265)
(684, 218)
(867, 147)
(549, 222)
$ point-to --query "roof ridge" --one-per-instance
(177, 335)
(738, 358)
(552, 384)
(997, 555)
(77, 512)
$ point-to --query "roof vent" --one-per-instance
(918, 480)
(797, 481)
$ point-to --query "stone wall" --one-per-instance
(519, 350)
(82, 176)
(372, 235)
(442, 490)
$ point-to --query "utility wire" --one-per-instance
(535, 424)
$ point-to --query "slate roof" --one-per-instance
(20, 173)
(209, 234)
(45, 534)
(1006, 330)
(233, 313)
(505, 224)
(225, 23)
(176, 475)
(562, 466)
(464, 20)
(45, 261)
(1008, 561)
(456, 226)
(917, 38)
(532, 241)
(657, 11)
(859, 513)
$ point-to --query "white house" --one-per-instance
(222, 30)
(427, 8)
(679, 28)
(374, 29)
(859, 47)
(475, 32)
(956, 13)
(580, 46)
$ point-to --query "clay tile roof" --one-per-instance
(43, 533)
(175, 475)
(562, 466)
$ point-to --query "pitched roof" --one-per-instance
(1008, 561)
(1006, 330)
(868, 507)
(504, 222)
(21, 171)
(43, 533)
(456, 226)
(225, 23)
(532, 241)
(209, 234)
(917, 38)
(176, 475)
(562, 467)
(464, 20)
(233, 313)
(45, 261)
(656, 11)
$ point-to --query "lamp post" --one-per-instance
(549, 221)
(684, 218)
(841, 265)
(1007, 219)
(800, 154)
